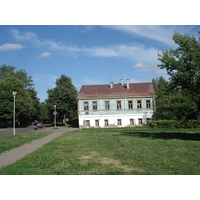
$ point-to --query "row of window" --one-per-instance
(118, 105)
(106, 122)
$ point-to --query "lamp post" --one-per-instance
(14, 95)
(55, 116)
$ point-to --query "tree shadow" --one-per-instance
(164, 135)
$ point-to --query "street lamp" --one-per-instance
(55, 116)
(14, 95)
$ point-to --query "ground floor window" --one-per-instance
(140, 121)
(106, 122)
(87, 123)
(119, 122)
(148, 120)
(131, 121)
(96, 122)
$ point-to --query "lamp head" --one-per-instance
(14, 93)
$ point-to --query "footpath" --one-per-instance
(11, 156)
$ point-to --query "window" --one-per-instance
(140, 121)
(106, 122)
(119, 105)
(148, 104)
(139, 104)
(130, 105)
(86, 105)
(107, 105)
(87, 123)
(94, 106)
(131, 121)
(119, 122)
(96, 122)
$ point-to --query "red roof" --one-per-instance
(118, 91)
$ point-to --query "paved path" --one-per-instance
(17, 153)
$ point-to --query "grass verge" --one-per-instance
(124, 151)
(9, 142)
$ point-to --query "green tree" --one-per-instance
(183, 66)
(21, 75)
(64, 97)
(27, 103)
(162, 102)
(43, 114)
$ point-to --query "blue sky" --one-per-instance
(87, 54)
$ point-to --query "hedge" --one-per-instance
(174, 124)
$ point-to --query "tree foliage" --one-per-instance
(27, 103)
(64, 97)
(183, 66)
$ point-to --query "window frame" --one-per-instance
(119, 122)
(106, 122)
(119, 106)
(107, 106)
(130, 104)
(148, 106)
(132, 121)
(94, 105)
(140, 107)
(86, 106)
(140, 121)
(96, 122)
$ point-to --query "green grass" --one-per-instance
(10, 142)
(123, 151)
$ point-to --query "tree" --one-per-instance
(161, 86)
(27, 103)
(21, 75)
(64, 97)
(183, 67)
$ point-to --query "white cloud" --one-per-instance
(159, 33)
(45, 54)
(137, 52)
(147, 67)
(11, 47)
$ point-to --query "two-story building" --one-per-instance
(115, 105)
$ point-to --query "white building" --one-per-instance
(115, 105)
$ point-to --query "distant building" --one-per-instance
(115, 105)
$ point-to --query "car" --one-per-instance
(40, 125)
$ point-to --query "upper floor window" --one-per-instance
(148, 104)
(86, 105)
(130, 105)
(139, 104)
(107, 105)
(119, 105)
(94, 106)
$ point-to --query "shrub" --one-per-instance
(174, 124)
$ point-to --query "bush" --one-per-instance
(174, 124)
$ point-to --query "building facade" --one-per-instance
(115, 105)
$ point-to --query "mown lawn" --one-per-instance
(123, 151)
(9, 142)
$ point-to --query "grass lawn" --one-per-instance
(122, 151)
(9, 142)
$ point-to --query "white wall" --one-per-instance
(112, 119)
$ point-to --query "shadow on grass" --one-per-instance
(165, 135)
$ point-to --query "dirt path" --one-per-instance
(17, 153)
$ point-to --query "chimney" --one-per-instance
(127, 84)
(111, 84)
(122, 81)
